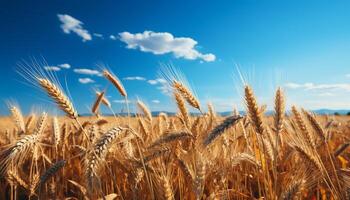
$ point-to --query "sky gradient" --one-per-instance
(301, 46)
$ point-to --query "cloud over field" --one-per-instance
(135, 78)
(71, 24)
(163, 42)
(52, 68)
(312, 86)
(86, 80)
(85, 71)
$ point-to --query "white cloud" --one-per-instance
(90, 72)
(155, 101)
(135, 78)
(65, 66)
(152, 82)
(112, 37)
(157, 81)
(99, 35)
(165, 89)
(70, 24)
(52, 68)
(162, 85)
(86, 80)
(312, 86)
(162, 43)
(161, 80)
(347, 75)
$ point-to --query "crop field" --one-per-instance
(292, 154)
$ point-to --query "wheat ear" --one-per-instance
(221, 128)
(97, 103)
(182, 108)
(253, 110)
(51, 171)
(18, 118)
(167, 190)
(56, 131)
(144, 109)
(316, 125)
(186, 94)
(30, 121)
(41, 123)
(105, 101)
(14, 177)
(170, 137)
(59, 97)
(98, 153)
(279, 111)
(116, 82)
(302, 126)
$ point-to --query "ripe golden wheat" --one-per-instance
(186, 156)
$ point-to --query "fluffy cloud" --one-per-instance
(155, 101)
(86, 80)
(135, 78)
(162, 43)
(70, 24)
(52, 68)
(312, 86)
(65, 66)
(90, 72)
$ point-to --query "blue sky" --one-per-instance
(302, 46)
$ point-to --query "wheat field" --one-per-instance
(289, 155)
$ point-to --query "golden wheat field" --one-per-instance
(288, 155)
